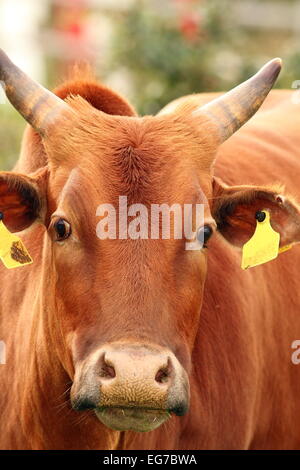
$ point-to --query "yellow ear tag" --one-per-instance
(284, 248)
(263, 246)
(12, 250)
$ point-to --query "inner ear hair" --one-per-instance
(22, 198)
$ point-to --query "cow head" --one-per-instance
(124, 313)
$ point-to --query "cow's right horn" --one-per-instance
(233, 109)
(38, 106)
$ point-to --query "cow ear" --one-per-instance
(234, 209)
(22, 198)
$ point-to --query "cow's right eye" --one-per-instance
(204, 233)
(62, 229)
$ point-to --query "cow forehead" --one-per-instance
(144, 160)
(85, 188)
(147, 143)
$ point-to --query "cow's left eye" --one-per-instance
(62, 229)
(204, 233)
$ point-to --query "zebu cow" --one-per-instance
(143, 335)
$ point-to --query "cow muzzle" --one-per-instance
(131, 387)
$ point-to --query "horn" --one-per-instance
(233, 109)
(38, 106)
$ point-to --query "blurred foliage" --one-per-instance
(188, 46)
(11, 129)
(291, 70)
(172, 53)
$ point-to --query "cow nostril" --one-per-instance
(162, 375)
(107, 369)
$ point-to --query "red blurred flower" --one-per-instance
(189, 25)
(75, 29)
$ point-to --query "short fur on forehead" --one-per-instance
(129, 142)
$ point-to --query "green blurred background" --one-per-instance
(151, 51)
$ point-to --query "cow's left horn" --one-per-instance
(233, 109)
(37, 105)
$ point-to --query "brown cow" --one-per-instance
(121, 330)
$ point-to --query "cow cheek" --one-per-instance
(72, 295)
(188, 316)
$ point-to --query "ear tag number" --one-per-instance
(12, 250)
(263, 246)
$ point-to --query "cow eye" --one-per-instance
(204, 233)
(62, 229)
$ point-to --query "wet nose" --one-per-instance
(141, 376)
(129, 377)
(135, 376)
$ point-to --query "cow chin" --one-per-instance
(132, 419)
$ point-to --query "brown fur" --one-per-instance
(79, 295)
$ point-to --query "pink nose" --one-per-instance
(132, 376)
(135, 376)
